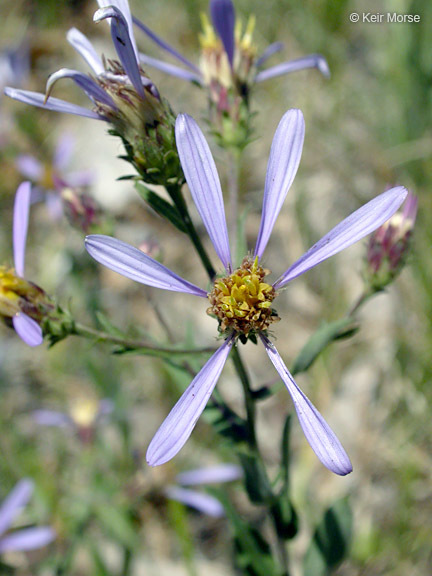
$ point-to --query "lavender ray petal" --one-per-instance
(201, 175)
(165, 46)
(223, 18)
(134, 264)
(202, 502)
(285, 155)
(80, 179)
(14, 502)
(52, 418)
(312, 61)
(170, 69)
(124, 44)
(123, 7)
(27, 329)
(178, 425)
(27, 539)
(106, 407)
(55, 104)
(410, 207)
(359, 224)
(64, 150)
(318, 433)
(54, 205)
(20, 225)
(269, 52)
(86, 50)
(210, 475)
(29, 167)
(89, 86)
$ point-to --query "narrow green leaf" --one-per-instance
(161, 206)
(285, 453)
(253, 554)
(285, 517)
(331, 541)
(117, 523)
(256, 481)
(108, 326)
(324, 336)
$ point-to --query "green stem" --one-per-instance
(233, 189)
(249, 400)
(161, 351)
(177, 197)
(362, 300)
(251, 419)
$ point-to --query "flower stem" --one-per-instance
(130, 344)
(362, 300)
(233, 190)
(249, 400)
(177, 197)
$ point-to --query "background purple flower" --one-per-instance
(25, 326)
(24, 539)
(201, 501)
(223, 20)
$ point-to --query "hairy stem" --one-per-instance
(151, 349)
(179, 201)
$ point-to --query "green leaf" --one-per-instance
(226, 422)
(117, 523)
(178, 520)
(256, 480)
(325, 335)
(285, 453)
(253, 554)
(108, 326)
(161, 206)
(331, 541)
(100, 568)
(285, 517)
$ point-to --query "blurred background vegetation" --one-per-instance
(367, 128)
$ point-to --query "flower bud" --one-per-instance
(19, 295)
(82, 211)
(229, 85)
(389, 246)
(145, 125)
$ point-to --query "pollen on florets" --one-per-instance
(242, 301)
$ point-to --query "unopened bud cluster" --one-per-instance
(389, 246)
(146, 126)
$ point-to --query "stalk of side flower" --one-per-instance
(140, 346)
(241, 301)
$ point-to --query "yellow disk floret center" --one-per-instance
(242, 301)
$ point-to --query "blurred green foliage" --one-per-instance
(367, 128)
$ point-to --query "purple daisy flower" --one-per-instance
(201, 501)
(21, 300)
(109, 85)
(50, 179)
(242, 301)
(83, 417)
(226, 53)
(27, 538)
